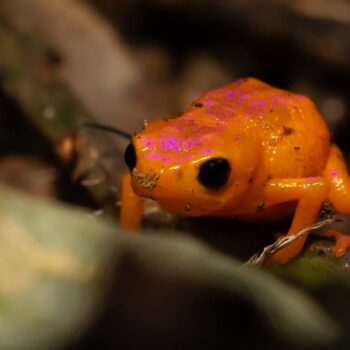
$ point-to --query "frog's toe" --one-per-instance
(342, 242)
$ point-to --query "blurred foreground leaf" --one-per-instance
(58, 264)
(53, 266)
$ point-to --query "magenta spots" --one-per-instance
(334, 173)
(207, 151)
(152, 156)
(208, 102)
(171, 143)
(184, 144)
(240, 94)
(229, 94)
(147, 142)
(189, 143)
(256, 106)
(157, 156)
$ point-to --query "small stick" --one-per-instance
(107, 128)
(257, 259)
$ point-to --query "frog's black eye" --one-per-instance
(214, 173)
(130, 156)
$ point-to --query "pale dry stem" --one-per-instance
(258, 259)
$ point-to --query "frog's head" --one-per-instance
(192, 168)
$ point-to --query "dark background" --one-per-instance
(119, 63)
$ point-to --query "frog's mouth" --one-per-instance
(173, 199)
(145, 181)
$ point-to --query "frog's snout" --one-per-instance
(145, 181)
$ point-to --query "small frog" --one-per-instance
(247, 151)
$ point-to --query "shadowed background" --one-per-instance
(64, 62)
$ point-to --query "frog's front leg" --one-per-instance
(131, 206)
(310, 193)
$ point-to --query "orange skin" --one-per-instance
(278, 147)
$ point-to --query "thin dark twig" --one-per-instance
(107, 128)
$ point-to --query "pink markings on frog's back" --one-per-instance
(158, 156)
(148, 143)
(334, 173)
(229, 94)
(257, 106)
(207, 151)
(170, 143)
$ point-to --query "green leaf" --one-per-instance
(58, 263)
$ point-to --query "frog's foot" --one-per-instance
(290, 251)
(342, 242)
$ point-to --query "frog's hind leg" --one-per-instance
(310, 193)
(338, 178)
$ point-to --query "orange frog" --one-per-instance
(247, 151)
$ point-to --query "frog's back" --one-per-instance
(294, 136)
